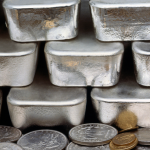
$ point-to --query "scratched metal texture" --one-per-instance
(121, 20)
(44, 105)
(41, 21)
(141, 56)
(18, 61)
(84, 61)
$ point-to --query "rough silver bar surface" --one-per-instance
(36, 20)
(141, 56)
(84, 61)
(43, 104)
(18, 61)
(121, 20)
(123, 98)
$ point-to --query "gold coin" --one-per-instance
(126, 120)
(123, 147)
(129, 129)
(123, 139)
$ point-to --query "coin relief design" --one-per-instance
(96, 134)
(9, 146)
(43, 139)
(9, 134)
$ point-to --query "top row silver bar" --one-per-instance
(114, 20)
(36, 20)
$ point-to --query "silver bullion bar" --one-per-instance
(84, 61)
(121, 20)
(126, 98)
(18, 61)
(43, 104)
(36, 20)
(141, 56)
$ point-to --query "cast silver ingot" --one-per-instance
(73, 146)
(43, 140)
(36, 20)
(9, 134)
(43, 104)
(143, 136)
(121, 20)
(18, 61)
(9, 146)
(92, 134)
(141, 55)
(123, 99)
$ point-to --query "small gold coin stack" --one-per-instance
(123, 141)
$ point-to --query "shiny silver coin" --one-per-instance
(92, 134)
(43, 140)
(9, 146)
(73, 146)
(142, 148)
(9, 134)
(143, 135)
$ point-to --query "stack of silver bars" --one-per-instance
(76, 58)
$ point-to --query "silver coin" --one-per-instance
(43, 140)
(9, 146)
(142, 148)
(92, 134)
(9, 134)
(143, 135)
(73, 146)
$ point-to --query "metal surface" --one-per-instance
(141, 55)
(9, 134)
(44, 20)
(125, 97)
(18, 61)
(139, 147)
(43, 104)
(121, 20)
(84, 61)
(9, 146)
(92, 134)
(43, 140)
(73, 146)
(143, 135)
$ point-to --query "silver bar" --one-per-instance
(84, 61)
(141, 55)
(36, 20)
(43, 104)
(121, 20)
(18, 61)
(126, 97)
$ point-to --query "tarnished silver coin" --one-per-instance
(143, 135)
(73, 146)
(9, 146)
(139, 147)
(93, 134)
(43, 140)
(9, 134)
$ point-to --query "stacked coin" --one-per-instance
(123, 141)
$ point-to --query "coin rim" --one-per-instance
(12, 144)
(90, 144)
(129, 129)
(14, 140)
(45, 130)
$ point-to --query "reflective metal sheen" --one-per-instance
(43, 104)
(141, 55)
(36, 20)
(73, 146)
(127, 99)
(43, 140)
(139, 147)
(121, 20)
(18, 61)
(84, 61)
(9, 146)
